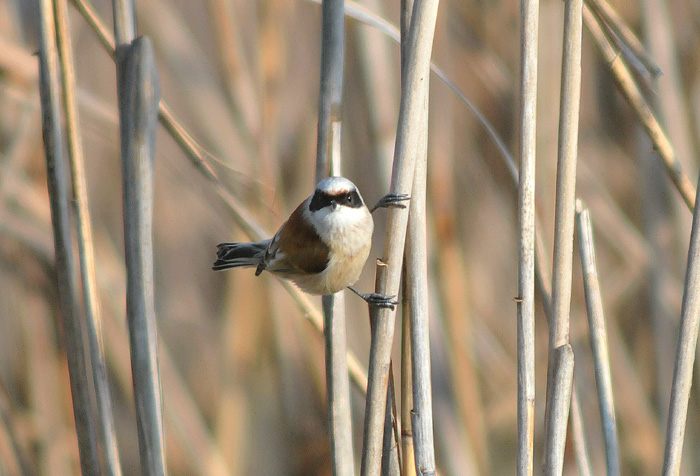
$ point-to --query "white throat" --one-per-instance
(342, 227)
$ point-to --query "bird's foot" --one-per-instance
(376, 299)
(391, 200)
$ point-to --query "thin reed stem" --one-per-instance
(124, 16)
(93, 315)
(57, 181)
(526, 236)
(558, 405)
(556, 410)
(407, 452)
(411, 121)
(685, 356)
(328, 162)
(599, 339)
(138, 99)
(416, 277)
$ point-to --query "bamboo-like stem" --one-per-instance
(555, 430)
(646, 117)
(599, 339)
(57, 182)
(529, 19)
(411, 120)
(93, 316)
(328, 161)
(685, 355)
(138, 100)
(559, 388)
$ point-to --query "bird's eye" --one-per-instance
(352, 199)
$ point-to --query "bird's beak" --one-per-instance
(334, 206)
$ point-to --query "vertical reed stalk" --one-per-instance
(417, 294)
(138, 101)
(559, 386)
(407, 442)
(328, 162)
(407, 453)
(416, 275)
(57, 181)
(124, 16)
(108, 440)
(599, 339)
(529, 18)
(411, 121)
(685, 355)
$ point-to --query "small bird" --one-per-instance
(323, 245)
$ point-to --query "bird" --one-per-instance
(323, 245)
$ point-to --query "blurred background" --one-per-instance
(242, 370)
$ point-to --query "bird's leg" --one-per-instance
(375, 299)
(391, 200)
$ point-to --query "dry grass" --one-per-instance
(242, 371)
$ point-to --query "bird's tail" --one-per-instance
(234, 255)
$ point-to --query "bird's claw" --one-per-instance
(392, 200)
(381, 300)
(376, 299)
